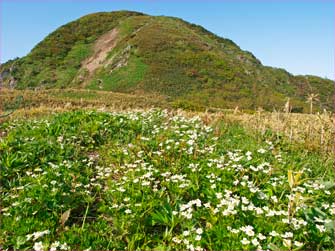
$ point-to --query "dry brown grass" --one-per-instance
(310, 131)
(80, 99)
(314, 131)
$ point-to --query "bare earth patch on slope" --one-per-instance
(100, 51)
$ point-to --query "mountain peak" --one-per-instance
(128, 51)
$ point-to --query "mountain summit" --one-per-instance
(132, 52)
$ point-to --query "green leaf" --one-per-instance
(20, 240)
(290, 178)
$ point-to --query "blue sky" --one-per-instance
(297, 35)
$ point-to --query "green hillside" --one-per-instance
(135, 53)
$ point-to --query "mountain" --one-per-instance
(132, 52)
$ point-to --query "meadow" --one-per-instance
(107, 177)
(310, 131)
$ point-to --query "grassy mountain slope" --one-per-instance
(164, 55)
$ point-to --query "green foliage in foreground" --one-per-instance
(152, 180)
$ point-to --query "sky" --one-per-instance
(297, 35)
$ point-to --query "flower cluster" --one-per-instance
(146, 180)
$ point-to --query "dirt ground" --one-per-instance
(100, 51)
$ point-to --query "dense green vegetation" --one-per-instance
(154, 180)
(164, 55)
(122, 78)
(56, 60)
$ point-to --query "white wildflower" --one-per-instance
(38, 246)
(261, 236)
(248, 230)
(186, 233)
(199, 231)
(244, 241)
(54, 246)
(176, 240)
(287, 235)
(261, 150)
(198, 248)
(198, 238)
(207, 205)
(298, 244)
(321, 228)
(273, 233)
(64, 246)
(255, 242)
(287, 243)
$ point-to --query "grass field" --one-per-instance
(311, 131)
(85, 171)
